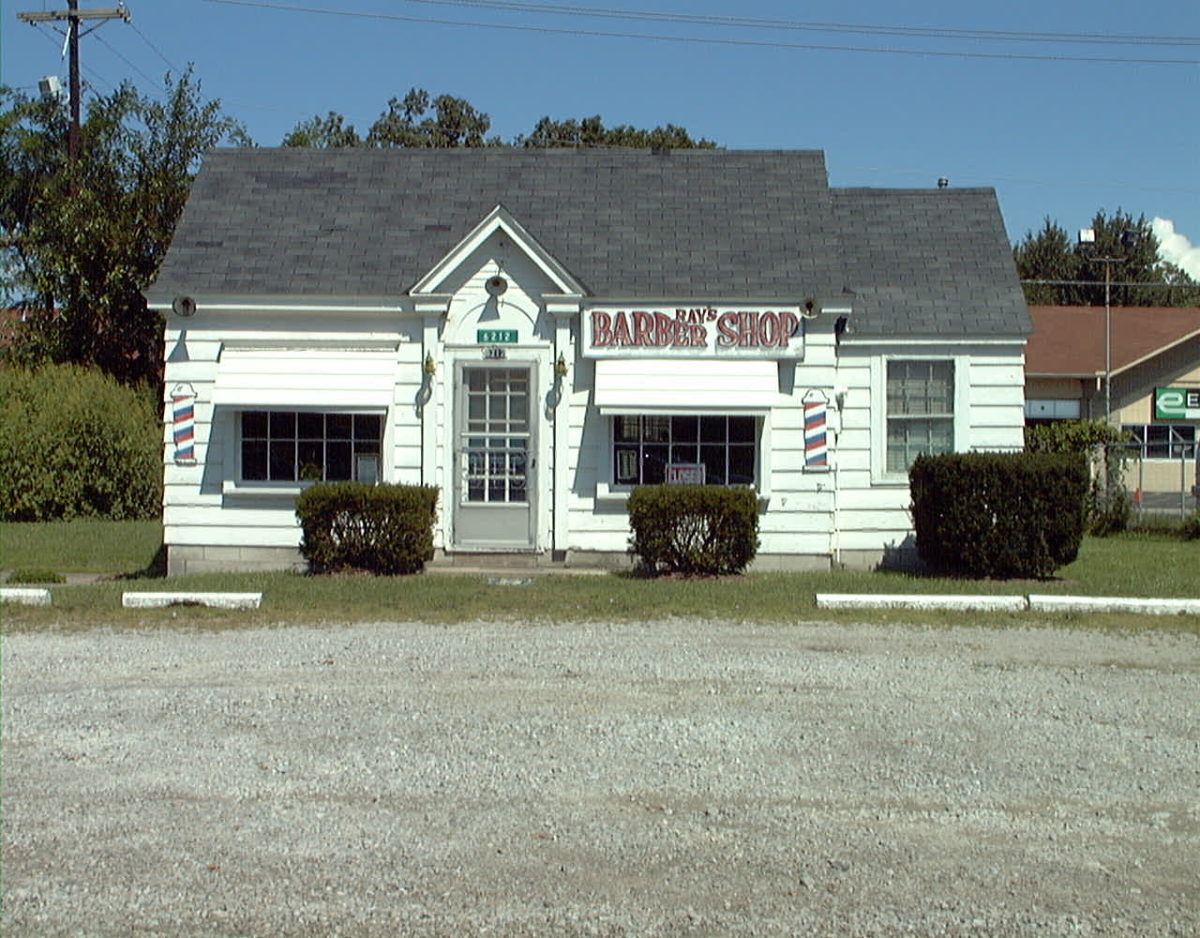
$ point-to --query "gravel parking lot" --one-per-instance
(668, 778)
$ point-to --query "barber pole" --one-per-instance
(183, 417)
(816, 439)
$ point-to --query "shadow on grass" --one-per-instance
(156, 569)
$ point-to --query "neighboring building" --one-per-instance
(537, 332)
(1152, 355)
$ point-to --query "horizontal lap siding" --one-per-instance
(196, 511)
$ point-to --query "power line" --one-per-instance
(743, 22)
(119, 55)
(171, 65)
(710, 40)
(73, 16)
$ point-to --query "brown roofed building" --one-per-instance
(1150, 352)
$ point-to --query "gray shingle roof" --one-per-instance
(923, 261)
(695, 224)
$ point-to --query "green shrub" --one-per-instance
(385, 529)
(1107, 505)
(998, 514)
(693, 529)
(74, 443)
(1190, 529)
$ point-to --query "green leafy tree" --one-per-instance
(420, 120)
(81, 239)
(324, 132)
(1131, 248)
(591, 132)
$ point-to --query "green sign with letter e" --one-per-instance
(1177, 403)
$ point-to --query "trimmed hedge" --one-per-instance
(75, 443)
(998, 514)
(694, 530)
(385, 529)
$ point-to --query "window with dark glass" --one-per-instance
(1162, 440)
(290, 446)
(643, 447)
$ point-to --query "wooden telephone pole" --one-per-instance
(74, 16)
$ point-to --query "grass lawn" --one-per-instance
(1126, 565)
(85, 545)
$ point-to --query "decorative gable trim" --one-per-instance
(498, 220)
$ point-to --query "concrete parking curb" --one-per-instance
(159, 600)
(1032, 603)
(1114, 604)
(915, 601)
(25, 596)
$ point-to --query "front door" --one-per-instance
(494, 452)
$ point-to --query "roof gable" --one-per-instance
(500, 220)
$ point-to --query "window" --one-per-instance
(920, 411)
(497, 436)
(290, 446)
(1162, 440)
(643, 447)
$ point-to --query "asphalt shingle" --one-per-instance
(703, 224)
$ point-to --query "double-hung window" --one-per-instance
(645, 445)
(920, 411)
(296, 446)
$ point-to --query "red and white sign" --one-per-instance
(685, 473)
(695, 331)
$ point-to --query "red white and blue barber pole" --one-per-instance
(183, 421)
(816, 436)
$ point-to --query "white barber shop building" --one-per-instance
(537, 332)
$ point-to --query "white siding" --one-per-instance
(316, 362)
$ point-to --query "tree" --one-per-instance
(409, 123)
(81, 239)
(419, 120)
(591, 132)
(324, 132)
(1051, 255)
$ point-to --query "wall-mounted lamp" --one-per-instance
(560, 366)
(430, 364)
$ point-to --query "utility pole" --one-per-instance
(1087, 236)
(73, 15)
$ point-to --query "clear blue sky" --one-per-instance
(1055, 136)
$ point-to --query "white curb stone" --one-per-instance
(1114, 604)
(916, 601)
(25, 596)
(215, 600)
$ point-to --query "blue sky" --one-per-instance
(1055, 136)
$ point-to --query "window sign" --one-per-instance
(652, 449)
(1177, 403)
(703, 331)
(685, 473)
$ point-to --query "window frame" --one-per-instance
(237, 483)
(1141, 444)
(960, 398)
(609, 490)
